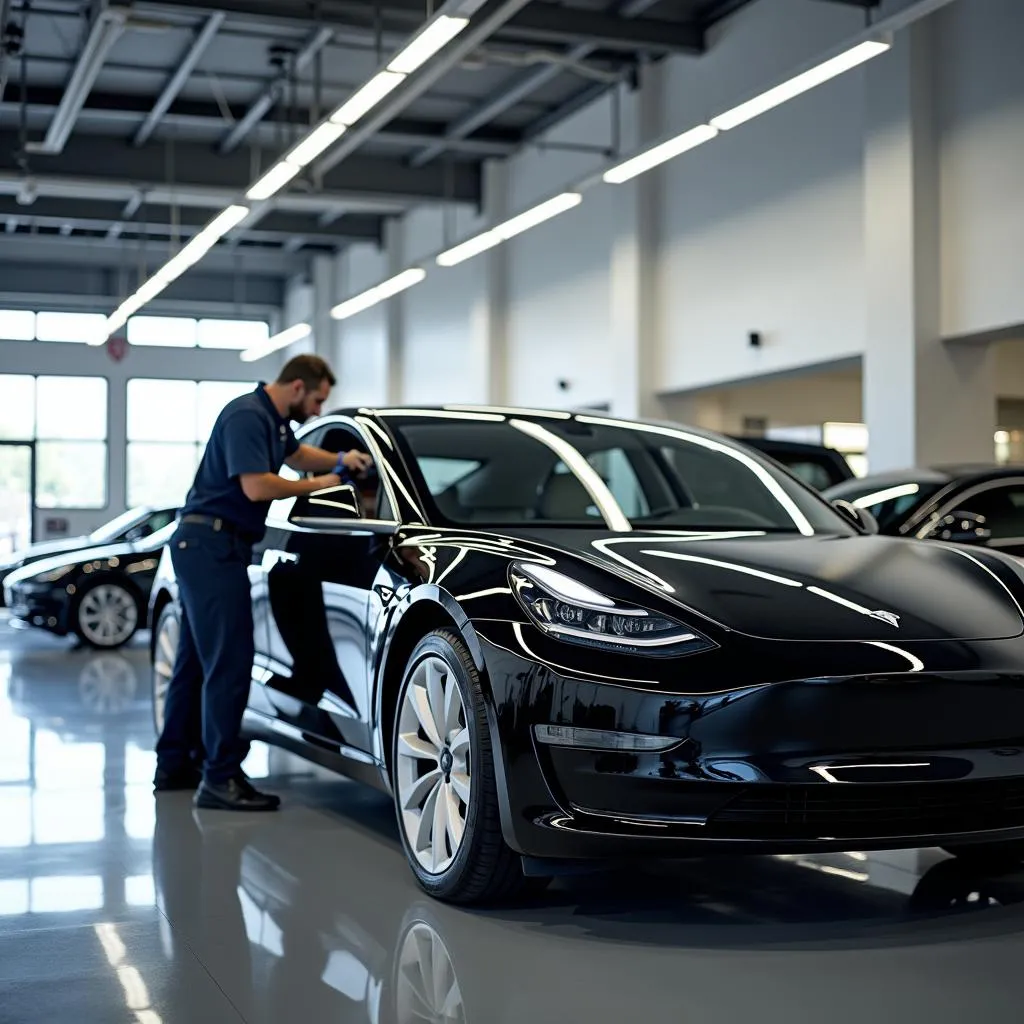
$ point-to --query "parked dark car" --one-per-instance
(558, 636)
(818, 466)
(981, 505)
(99, 593)
(135, 524)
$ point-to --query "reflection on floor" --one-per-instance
(147, 912)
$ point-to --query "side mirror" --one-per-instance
(860, 517)
(961, 527)
(334, 504)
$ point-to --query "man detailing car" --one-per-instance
(223, 516)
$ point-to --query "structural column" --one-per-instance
(490, 317)
(324, 274)
(925, 401)
(633, 270)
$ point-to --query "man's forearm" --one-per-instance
(270, 486)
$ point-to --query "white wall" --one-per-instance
(361, 342)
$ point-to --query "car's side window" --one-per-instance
(1002, 507)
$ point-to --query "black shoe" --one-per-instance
(238, 794)
(173, 782)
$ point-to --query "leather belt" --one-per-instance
(219, 525)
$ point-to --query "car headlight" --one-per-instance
(572, 611)
(53, 575)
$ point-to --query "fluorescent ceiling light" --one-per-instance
(509, 229)
(273, 181)
(466, 250)
(280, 340)
(539, 214)
(435, 36)
(315, 143)
(800, 84)
(366, 98)
(194, 251)
(659, 154)
(378, 293)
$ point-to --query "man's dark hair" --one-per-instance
(310, 369)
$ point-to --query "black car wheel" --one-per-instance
(106, 614)
(444, 782)
(1007, 854)
(165, 649)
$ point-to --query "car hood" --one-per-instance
(785, 587)
(100, 552)
(44, 549)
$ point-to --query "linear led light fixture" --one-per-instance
(378, 293)
(437, 35)
(280, 340)
(820, 73)
(189, 255)
(509, 228)
(660, 154)
(441, 31)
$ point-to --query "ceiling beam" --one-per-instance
(106, 28)
(367, 183)
(511, 94)
(187, 64)
(537, 23)
(108, 110)
(266, 100)
(277, 227)
(92, 253)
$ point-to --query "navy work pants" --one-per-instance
(210, 686)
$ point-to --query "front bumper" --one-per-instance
(39, 605)
(880, 760)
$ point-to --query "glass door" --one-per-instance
(17, 490)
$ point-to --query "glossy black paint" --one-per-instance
(50, 605)
(859, 687)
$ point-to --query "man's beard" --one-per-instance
(297, 412)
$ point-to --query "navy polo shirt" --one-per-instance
(250, 436)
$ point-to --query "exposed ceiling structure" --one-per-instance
(124, 128)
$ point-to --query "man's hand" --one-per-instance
(355, 461)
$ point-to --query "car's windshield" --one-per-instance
(117, 526)
(490, 469)
(891, 501)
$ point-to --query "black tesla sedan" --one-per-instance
(100, 593)
(981, 505)
(558, 637)
(135, 524)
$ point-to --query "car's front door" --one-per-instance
(319, 568)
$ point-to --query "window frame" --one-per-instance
(953, 502)
(33, 438)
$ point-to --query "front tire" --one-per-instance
(165, 650)
(446, 795)
(106, 615)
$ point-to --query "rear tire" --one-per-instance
(446, 796)
(165, 649)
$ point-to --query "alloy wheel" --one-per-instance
(108, 615)
(433, 764)
(427, 986)
(166, 649)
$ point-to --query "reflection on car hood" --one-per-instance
(788, 587)
(43, 549)
(100, 552)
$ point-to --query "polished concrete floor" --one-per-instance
(118, 907)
